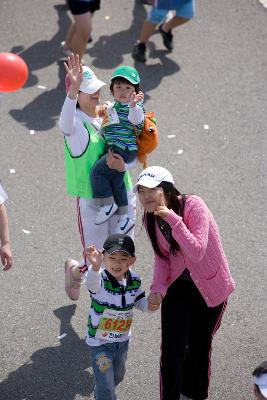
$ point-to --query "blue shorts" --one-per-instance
(187, 10)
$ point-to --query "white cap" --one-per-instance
(152, 177)
(261, 382)
(90, 83)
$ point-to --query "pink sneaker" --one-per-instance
(72, 285)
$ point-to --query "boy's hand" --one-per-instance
(95, 257)
(6, 256)
(162, 210)
(154, 301)
(136, 98)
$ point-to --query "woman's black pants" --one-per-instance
(188, 326)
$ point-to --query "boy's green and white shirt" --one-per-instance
(112, 304)
(123, 133)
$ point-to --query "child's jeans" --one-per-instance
(109, 366)
(108, 184)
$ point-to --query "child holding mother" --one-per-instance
(191, 281)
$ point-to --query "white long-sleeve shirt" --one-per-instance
(72, 127)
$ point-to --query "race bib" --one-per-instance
(110, 117)
(114, 324)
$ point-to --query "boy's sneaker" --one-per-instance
(105, 212)
(139, 52)
(125, 224)
(72, 285)
(167, 38)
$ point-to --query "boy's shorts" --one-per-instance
(186, 10)
(78, 7)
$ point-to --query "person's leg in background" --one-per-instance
(79, 33)
(155, 17)
(182, 15)
(90, 234)
(81, 29)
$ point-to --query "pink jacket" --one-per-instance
(201, 253)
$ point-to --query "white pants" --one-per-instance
(92, 234)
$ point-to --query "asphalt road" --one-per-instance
(210, 97)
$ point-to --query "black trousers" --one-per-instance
(188, 326)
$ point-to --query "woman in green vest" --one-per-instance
(80, 123)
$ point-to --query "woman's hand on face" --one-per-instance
(74, 72)
(95, 257)
(115, 161)
(162, 210)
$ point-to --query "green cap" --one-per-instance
(128, 73)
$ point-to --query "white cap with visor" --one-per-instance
(152, 177)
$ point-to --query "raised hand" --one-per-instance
(95, 257)
(162, 210)
(74, 72)
(136, 98)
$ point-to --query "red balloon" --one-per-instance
(13, 72)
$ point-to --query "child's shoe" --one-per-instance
(72, 285)
(167, 38)
(125, 224)
(139, 52)
(105, 212)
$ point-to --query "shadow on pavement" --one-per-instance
(109, 50)
(53, 373)
(44, 53)
(42, 113)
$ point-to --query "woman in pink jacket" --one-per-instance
(191, 279)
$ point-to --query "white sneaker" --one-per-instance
(183, 397)
(105, 212)
(125, 224)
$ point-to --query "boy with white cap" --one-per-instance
(127, 122)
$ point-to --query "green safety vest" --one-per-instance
(78, 167)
